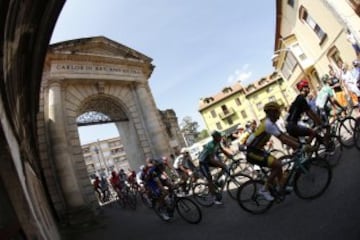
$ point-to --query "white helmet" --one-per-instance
(183, 150)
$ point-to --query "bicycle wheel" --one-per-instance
(312, 178)
(234, 182)
(248, 169)
(346, 131)
(250, 200)
(332, 152)
(202, 195)
(357, 135)
(188, 210)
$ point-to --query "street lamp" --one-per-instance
(96, 150)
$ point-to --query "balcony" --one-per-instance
(226, 113)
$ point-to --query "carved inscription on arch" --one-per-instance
(101, 69)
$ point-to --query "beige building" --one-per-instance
(311, 35)
(237, 104)
(103, 156)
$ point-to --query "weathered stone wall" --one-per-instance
(26, 30)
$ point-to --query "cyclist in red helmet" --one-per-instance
(297, 108)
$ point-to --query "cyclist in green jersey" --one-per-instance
(209, 157)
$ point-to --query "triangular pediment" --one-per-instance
(97, 46)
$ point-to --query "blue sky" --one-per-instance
(197, 46)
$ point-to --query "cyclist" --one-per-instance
(325, 96)
(116, 183)
(131, 179)
(209, 158)
(97, 187)
(184, 168)
(158, 185)
(256, 153)
(104, 188)
(297, 109)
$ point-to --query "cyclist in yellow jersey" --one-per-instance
(256, 153)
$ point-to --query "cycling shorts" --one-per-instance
(259, 157)
(296, 130)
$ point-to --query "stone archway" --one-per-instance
(117, 112)
(94, 74)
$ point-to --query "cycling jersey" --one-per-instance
(297, 108)
(256, 153)
(178, 161)
(262, 134)
(210, 149)
(323, 96)
(153, 175)
(115, 182)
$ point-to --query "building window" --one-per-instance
(86, 150)
(272, 98)
(218, 125)
(304, 15)
(116, 151)
(291, 3)
(227, 90)
(334, 55)
(297, 50)
(288, 65)
(225, 109)
(230, 121)
(315, 75)
(237, 101)
(259, 105)
(243, 114)
(269, 89)
(213, 113)
(355, 4)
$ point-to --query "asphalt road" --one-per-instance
(335, 215)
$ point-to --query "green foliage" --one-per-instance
(202, 135)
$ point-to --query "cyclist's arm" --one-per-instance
(159, 184)
(335, 102)
(227, 151)
(288, 140)
(315, 117)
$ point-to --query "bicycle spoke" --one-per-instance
(347, 131)
(234, 182)
(249, 199)
(188, 210)
(202, 195)
(332, 152)
(312, 180)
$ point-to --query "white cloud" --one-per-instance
(241, 74)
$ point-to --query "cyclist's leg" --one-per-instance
(276, 171)
(204, 168)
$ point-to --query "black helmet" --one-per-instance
(215, 134)
(272, 106)
(158, 162)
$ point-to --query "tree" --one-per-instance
(188, 128)
(202, 135)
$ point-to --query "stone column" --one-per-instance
(158, 138)
(60, 148)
